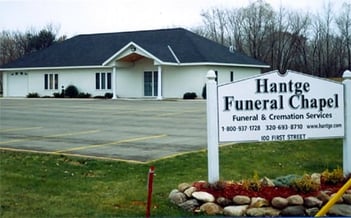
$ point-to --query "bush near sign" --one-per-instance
(279, 107)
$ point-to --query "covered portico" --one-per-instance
(127, 57)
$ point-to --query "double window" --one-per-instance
(51, 81)
(103, 81)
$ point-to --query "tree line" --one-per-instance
(15, 44)
(317, 44)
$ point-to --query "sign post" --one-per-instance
(347, 137)
(212, 128)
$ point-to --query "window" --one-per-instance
(108, 80)
(51, 81)
(231, 76)
(103, 81)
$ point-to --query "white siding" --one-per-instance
(179, 80)
(130, 80)
(176, 80)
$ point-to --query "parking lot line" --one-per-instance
(49, 136)
(20, 129)
(73, 133)
(113, 143)
(72, 155)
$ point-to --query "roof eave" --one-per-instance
(216, 64)
(53, 68)
(157, 62)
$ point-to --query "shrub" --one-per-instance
(334, 177)
(84, 95)
(285, 181)
(71, 91)
(108, 95)
(253, 184)
(57, 95)
(190, 95)
(305, 184)
(99, 97)
(33, 95)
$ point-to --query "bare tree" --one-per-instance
(214, 24)
(343, 22)
(285, 39)
(255, 26)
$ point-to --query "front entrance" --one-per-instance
(150, 83)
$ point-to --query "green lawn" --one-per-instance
(38, 185)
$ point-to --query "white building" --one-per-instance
(157, 64)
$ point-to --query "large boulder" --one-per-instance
(241, 199)
(211, 208)
(235, 210)
(279, 202)
(340, 210)
(203, 196)
(177, 197)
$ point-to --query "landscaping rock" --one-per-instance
(293, 211)
(340, 210)
(339, 201)
(241, 200)
(222, 201)
(189, 205)
(183, 186)
(177, 197)
(267, 182)
(262, 212)
(189, 191)
(312, 211)
(211, 208)
(295, 200)
(347, 198)
(258, 202)
(235, 210)
(312, 202)
(279, 202)
(203, 196)
(323, 196)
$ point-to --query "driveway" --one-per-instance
(131, 130)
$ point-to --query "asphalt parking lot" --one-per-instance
(130, 130)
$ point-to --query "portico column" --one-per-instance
(4, 83)
(114, 82)
(159, 83)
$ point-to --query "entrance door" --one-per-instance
(150, 83)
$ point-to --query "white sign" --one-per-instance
(276, 107)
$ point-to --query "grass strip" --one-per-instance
(39, 185)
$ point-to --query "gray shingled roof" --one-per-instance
(95, 49)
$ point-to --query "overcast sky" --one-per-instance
(74, 17)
